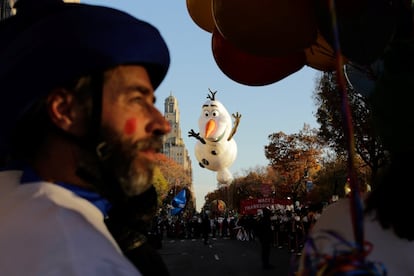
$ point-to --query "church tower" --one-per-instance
(174, 147)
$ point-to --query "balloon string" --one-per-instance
(356, 206)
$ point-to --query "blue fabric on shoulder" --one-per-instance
(30, 176)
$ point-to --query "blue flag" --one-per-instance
(179, 202)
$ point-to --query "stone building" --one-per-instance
(174, 146)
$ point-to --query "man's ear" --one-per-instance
(62, 109)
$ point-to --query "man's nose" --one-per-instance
(158, 125)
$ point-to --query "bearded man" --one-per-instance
(79, 134)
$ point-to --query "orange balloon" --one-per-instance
(218, 206)
(267, 27)
(321, 55)
(201, 13)
(252, 70)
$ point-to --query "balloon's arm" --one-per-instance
(236, 117)
(192, 133)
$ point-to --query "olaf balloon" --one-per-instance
(216, 149)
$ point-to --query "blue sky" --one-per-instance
(283, 106)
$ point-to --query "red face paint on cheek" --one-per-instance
(130, 126)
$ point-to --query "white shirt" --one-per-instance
(397, 255)
(46, 229)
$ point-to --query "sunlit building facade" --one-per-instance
(174, 146)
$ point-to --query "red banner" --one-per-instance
(250, 206)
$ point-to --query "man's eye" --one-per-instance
(137, 99)
(142, 100)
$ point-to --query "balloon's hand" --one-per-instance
(196, 135)
(236, 117)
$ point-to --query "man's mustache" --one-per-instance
(105, 149)
(155, 143)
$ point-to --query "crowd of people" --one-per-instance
(284, 228)
(288, 226)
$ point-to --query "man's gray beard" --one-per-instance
(136, 182)
(118, 169)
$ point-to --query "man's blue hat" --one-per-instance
(49, 43)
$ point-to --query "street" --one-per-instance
(222, 256)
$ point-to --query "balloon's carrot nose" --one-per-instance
(210, 126)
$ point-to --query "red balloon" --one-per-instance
(252, 70)
(267, 27)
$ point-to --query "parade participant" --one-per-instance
(78, 135)
(264, 233)
(205, 226)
